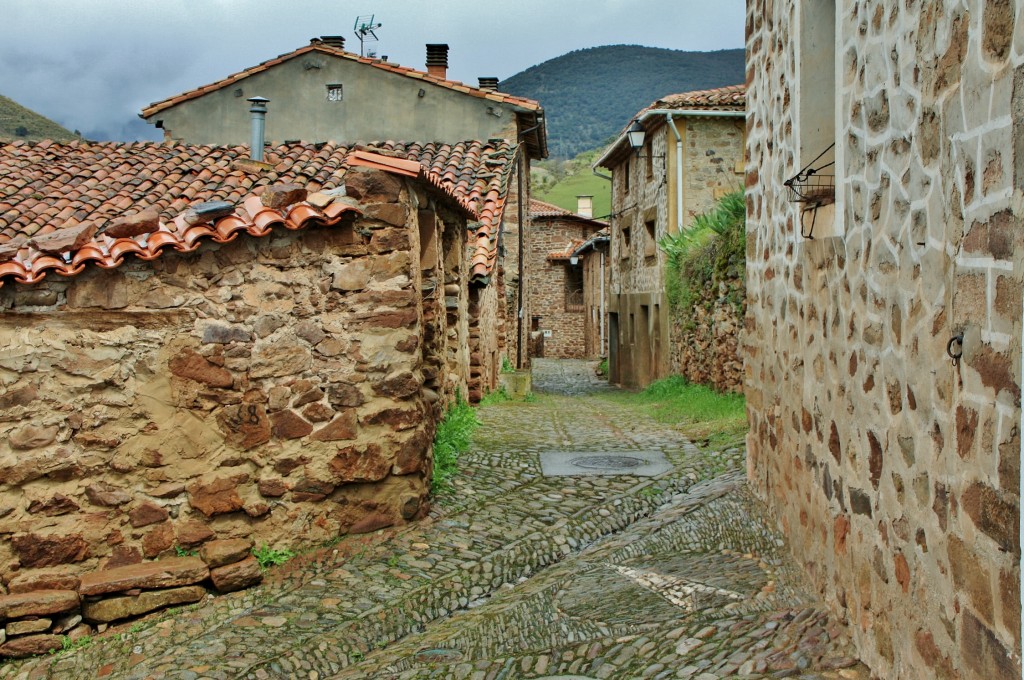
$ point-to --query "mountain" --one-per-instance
(17, 122)
(590, 95)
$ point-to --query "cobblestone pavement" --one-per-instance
(519, 575)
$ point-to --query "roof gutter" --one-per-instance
(668, 114)
(670, 119)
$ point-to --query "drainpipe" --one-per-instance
(670, 119)
(259, 118)
(522, 269)
(603, 351)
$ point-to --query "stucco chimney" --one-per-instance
(259, 115)
(585, 206)
(488, 83)
(437, 60)
(335, 41)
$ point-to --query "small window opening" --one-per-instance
(624, 251)
(650, 242)
(335, 92)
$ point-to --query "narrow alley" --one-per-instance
(583, 540)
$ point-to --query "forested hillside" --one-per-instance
(18, 122)
(590, 95)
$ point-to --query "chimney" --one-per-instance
(488, 83)
(437, 60)
(335, 41)
(259, 119)
(585, 206)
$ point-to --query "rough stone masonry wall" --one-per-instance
(267, 388)
(894, 473)
(547, 286)
(705, 346)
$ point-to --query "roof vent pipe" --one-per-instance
(259, 119)
(437, 60)
(488, 83)
(336, 41)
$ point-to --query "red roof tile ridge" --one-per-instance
(408, 72)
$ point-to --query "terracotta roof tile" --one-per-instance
(38, 194)
(542, 210)
(566, 252)
(733, 97)
(520, 102)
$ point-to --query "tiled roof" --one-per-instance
(541, 210)
(58, 202)
(595, 240)
(733, 97)
(566, 252)
(522, 102)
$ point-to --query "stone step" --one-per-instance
(176, 571)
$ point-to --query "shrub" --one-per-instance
(270, 557)
(711, 250)
(453, 437)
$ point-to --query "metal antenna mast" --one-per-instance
(364, 28)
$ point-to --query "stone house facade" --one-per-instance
(692, 154)
(593, 254)
(197, 346)
(557, 283)
(894, 470)
(321, 92)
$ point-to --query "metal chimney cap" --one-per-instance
(258, 100)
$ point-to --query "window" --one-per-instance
(334, 92)
(650, 243)
(650, 159)
(624, 247)
(816, 119)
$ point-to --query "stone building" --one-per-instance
(556, 279)
(593, 256)
(320, 93)
(196, 345)
(893, 468)
(691, 154)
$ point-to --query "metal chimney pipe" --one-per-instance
(259, 118)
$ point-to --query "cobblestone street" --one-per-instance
(519, 574)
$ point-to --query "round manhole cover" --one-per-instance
(608, 462)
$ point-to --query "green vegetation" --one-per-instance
(559, 182)
(507, 366)
(705, 416)
(18, 122)
(452, 438)
(69, 645)
(184, 552)
(270, 557)
(590, 95)
(495, 397)
(712, 250)
(602, 368)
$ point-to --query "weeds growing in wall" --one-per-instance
(712, 250)
(453, 436)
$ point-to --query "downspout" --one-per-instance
(522, 287)
(602, 352)
(679, 171)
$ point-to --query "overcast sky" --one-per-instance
(92, 65)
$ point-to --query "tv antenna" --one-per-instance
(364, 28)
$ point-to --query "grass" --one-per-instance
(497, 396)
(564, 193)
(507, 366)
(271, 557)
(452, 438)
(712, 419)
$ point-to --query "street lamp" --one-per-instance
(636, 134)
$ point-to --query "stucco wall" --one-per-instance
(376, 105)
(277, 388)
(895, 473)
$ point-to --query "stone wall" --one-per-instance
(706, 345)
(281, 389)
(895, 472)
